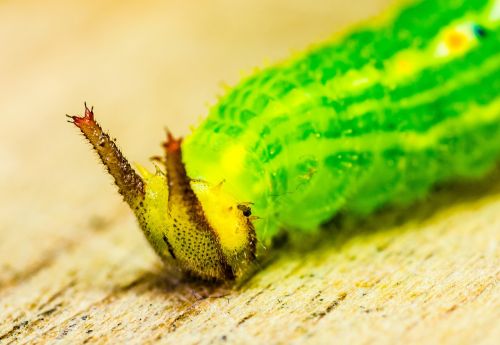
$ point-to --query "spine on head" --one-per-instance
(179, 184)
(130, 184)
(189, 221)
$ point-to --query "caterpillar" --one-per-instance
(376, 115)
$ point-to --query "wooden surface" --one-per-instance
(75, 269)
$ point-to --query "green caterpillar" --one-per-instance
(374, 116)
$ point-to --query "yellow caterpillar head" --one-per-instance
(204, 230)
(197, 226)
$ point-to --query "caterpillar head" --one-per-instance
(194, 225)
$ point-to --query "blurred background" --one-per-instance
(143, 65)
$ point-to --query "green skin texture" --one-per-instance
(302, 141)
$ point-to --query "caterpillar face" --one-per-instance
(195, 225)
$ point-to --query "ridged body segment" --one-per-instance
(375, 116)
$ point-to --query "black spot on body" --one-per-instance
(479, 31)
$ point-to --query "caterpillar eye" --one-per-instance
(247, 211)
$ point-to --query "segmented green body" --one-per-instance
(374, 116)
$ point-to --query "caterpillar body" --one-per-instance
(374, 116)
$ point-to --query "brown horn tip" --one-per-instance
(87, 119)
(172, 144)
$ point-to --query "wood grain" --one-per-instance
(75, 269)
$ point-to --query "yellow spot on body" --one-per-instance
(455, 40)
(232, 160)
(406, 64)
(404, 67)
